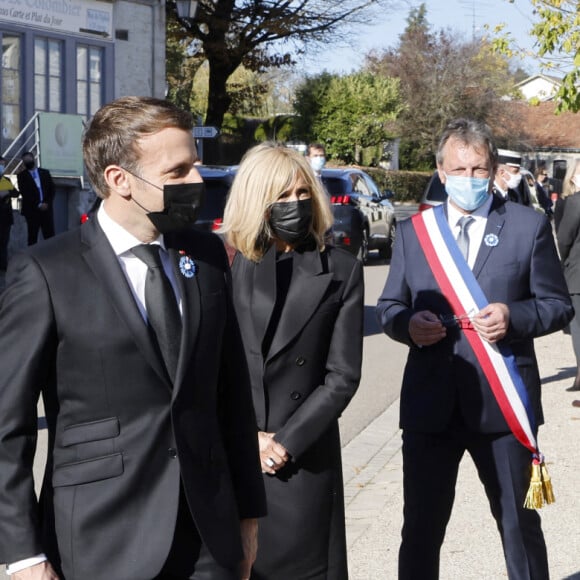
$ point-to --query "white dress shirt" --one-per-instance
(500, 190)
(134, 269)
(475, 230)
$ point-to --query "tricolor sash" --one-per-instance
(464, 294)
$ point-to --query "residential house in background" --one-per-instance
(539, 87)
(546, 138)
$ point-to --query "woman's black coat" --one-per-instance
(300, 388)
(568, 235)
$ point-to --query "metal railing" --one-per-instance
(27, 140)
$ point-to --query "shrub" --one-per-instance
(408, 186)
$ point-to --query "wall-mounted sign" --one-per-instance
(85, 17)
(205, 132)
(60, 143)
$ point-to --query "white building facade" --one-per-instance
(71, 57)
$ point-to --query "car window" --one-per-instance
(435, 189)
(371, 186)
(359, 185)
(334, 185)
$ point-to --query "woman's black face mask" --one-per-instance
(291, 220)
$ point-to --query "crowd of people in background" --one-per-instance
(192, 384)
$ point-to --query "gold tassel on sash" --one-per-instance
(547, 485)
(540, 491)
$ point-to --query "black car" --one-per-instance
(364, 218)
(218, 180)
(434, 193)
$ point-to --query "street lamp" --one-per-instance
(186, 9)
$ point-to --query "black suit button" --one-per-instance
(300, 361)
(172, 452)
(295, 395)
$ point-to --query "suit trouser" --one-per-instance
(189, 558)
(430, 466)
(39, 221)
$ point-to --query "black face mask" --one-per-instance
(290, 221)
(29, 164)
(181, 205)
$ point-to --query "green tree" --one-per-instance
(349, 113)
(558, 39)
(182, 61)
(309, 97)
(441, 77)
(556, 28)
(276, 128)
(262, 35)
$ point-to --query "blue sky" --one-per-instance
(462, 16)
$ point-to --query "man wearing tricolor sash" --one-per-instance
(471, 284)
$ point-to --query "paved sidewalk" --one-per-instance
(472, 548)
(372, 467)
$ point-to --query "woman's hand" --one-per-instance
(273, 456)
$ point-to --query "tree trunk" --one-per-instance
(218, 100)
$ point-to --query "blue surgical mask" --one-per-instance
(317, 163)
(468, 193)
(2, 168)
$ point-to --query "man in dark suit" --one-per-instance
(36, 187)
(447, 403)
(153, 468)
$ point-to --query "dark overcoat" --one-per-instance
(568, 235)
(300, 387)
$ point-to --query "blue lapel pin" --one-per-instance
(491, 240)
(187, 266)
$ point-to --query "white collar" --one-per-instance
(120, 239)
(453, 214)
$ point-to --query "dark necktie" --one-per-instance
(161, 305)
(463, 237)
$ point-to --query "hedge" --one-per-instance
(408, 186)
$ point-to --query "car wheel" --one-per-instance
(386, 251)
(363, 251)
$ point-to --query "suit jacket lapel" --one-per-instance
(307, 288)
(104, 263)
(493, 227)
(191, 308)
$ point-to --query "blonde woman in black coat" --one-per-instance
(568, 236)
(300, 307)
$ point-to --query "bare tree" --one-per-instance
(262, 34)
(441, 77)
